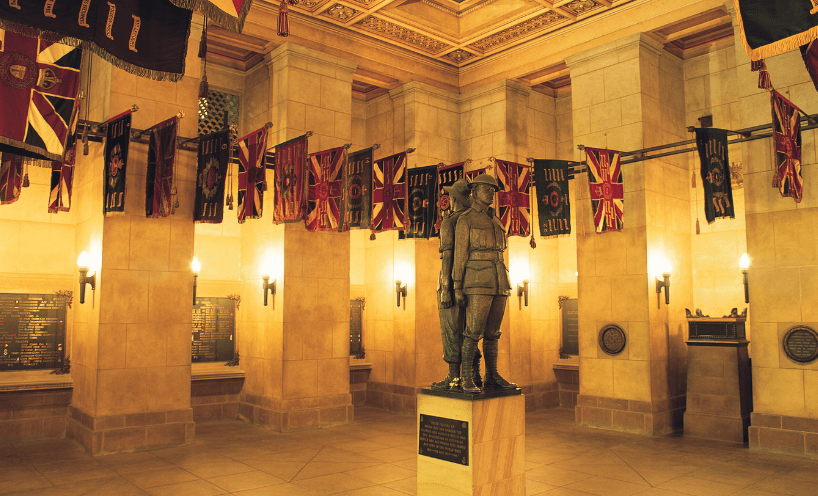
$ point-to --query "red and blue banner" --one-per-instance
(325, 190)
(607, 189)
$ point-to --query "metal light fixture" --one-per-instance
(268, 286)
(400, 289)
(664, 282)
(83, 263)
(196, 267)
(744, 263)
(523, 290)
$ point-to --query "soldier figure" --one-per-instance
(452, 317)
(481, 282)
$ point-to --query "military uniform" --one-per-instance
(453, 317)
(479, 270)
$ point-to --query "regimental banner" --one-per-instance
(325, 190)
(160, 188)
(389, 195)
(62, 173)
(474, 173)
(211, 172)
(117, 140)
(446, 176)
(359, 190)
(229, 15)
(513, 204)
(607, 190)
(715, 172)
(11, 178)
(422, 211)
(291, 181)
(772, 28)
(809, 53)
(252, 175)
(787, 132)
(39, 81)
(553, 205)
(144, 37)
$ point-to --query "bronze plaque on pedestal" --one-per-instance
(444, 439)
(32, 331)
(801, 344)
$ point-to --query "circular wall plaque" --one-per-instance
(801, 344)
(612, 339)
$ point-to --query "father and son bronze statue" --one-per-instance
(474, 286)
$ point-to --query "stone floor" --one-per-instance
(376, 456)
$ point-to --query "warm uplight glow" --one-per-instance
(195, 265)
(660, 265)
(84, 260)
(403, 272)
(744, 262)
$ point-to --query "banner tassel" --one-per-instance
(372, 237)
(283, 19)
(694, 180)
(26, 183)
(698, 229)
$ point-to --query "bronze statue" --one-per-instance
(452, 317)
(481, 282)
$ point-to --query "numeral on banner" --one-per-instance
(109, 25)
(137, 22)
(83, 17)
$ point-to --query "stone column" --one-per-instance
(781, 240)
(296, 350)
(628, 95)
(131, 363)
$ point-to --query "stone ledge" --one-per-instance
(31, 380)
(639, 417)
(214, 371)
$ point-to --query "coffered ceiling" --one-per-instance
(455, 32)
(449, 36)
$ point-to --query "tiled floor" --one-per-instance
(376, 456)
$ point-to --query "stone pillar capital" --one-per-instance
(639, 45)
(291, 55)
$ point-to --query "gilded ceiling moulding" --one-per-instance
(458, 56)
(400, 33)
(520, 30)
(581, 6)
(340, 12)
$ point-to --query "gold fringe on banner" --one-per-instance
(209, 10)
(777, 47)
(96, 49)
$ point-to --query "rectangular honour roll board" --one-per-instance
(32, 331)
(214, 329)
(444, 439)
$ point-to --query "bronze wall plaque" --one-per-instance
(801, 344)
(32, 331)
(356, 343)
(214, 328)
(570, 327)
(444, 439)
(612, 339)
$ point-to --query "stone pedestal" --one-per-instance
(483, 435)
(719, 393)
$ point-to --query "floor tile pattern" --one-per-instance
(376, 456)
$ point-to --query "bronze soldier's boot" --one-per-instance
(467, 357)
(493, 379)
(478, 379)
(453, 377)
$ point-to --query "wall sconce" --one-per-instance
(268, 286)
(744, 263)
(83, 262)
(196, 267)
(400, 289)
(664, 282)
(523, 290)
